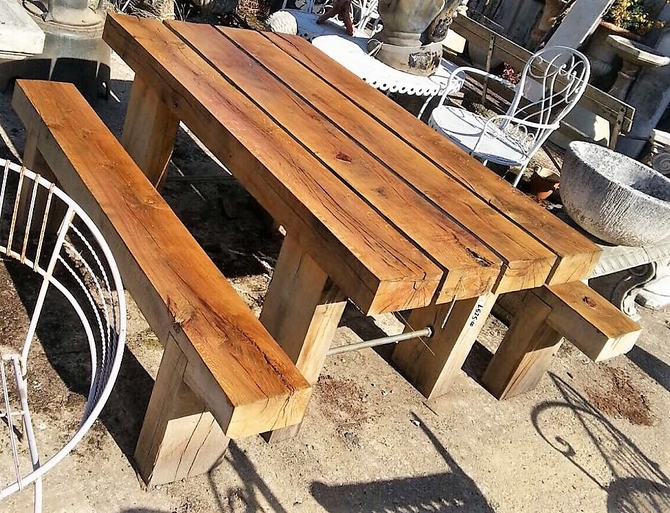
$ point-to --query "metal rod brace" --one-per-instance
(393, 339)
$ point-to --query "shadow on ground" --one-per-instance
(448, 491)
(637, 483)
(655, 368)
(452, 490)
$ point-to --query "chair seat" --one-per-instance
(464, 128)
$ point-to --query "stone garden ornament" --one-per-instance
(412, 33)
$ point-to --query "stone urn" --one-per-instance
(602, 55)
(614, 197)
(411, 39)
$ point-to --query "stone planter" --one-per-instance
(602, 55)
(614, 197)
(412, 34)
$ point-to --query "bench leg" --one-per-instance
(525, 353)
(149, 132)
(179, 437)
(33, 159)
(301, 311)
(432, 364)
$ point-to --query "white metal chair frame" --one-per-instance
(522, 130)
(44, 229)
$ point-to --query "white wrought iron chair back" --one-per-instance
(45, 230)
(552, 82)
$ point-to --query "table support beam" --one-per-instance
(432, 364)
(149, 131)
(525, 353)
(179, 437)
(302, 310)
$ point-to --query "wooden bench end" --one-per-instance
(593, 324)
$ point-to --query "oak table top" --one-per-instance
(395, 214)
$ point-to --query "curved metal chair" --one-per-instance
(552, 82)
(45, 230)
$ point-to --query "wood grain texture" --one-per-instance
(234, 364)
(547, 314)
(594, 325)
(179, 437)
(577, 255)
(387, 179)
(304, 322)
(525, 353)
(432, 364)
(149, 131)
(376, 266)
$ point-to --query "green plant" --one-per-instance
(631, 15)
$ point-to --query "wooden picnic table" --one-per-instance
(378, 208)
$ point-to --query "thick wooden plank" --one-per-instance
(577, 255)
(304, 324)
(372, 263)
(594, 325)
(547, 314)
(179, 437)
(527, 262)
(149, 131)
(470, 267)
(432, 364)
(525, 353)
(594, 100)
(234, 365)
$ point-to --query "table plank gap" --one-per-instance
(528, 263)
(471, 267)
(373, 264)
(577, 256)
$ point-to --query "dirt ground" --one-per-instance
(590, 438)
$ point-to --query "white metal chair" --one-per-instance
(363, 12)
(73, 267)
(551, 84)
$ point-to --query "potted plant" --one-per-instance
(631, 19)
(631, 16)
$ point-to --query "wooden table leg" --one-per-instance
(525, 353)
(301, 311)
(432, 364)
(149, 131)
(179, 437)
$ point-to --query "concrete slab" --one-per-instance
(20, 36)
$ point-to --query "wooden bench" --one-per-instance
(617, 113)
(218, 357)
(547, 314)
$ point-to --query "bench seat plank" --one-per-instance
(374, 264)
(577, 255)
(234, 365)
(547, 315)
(594, 325)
